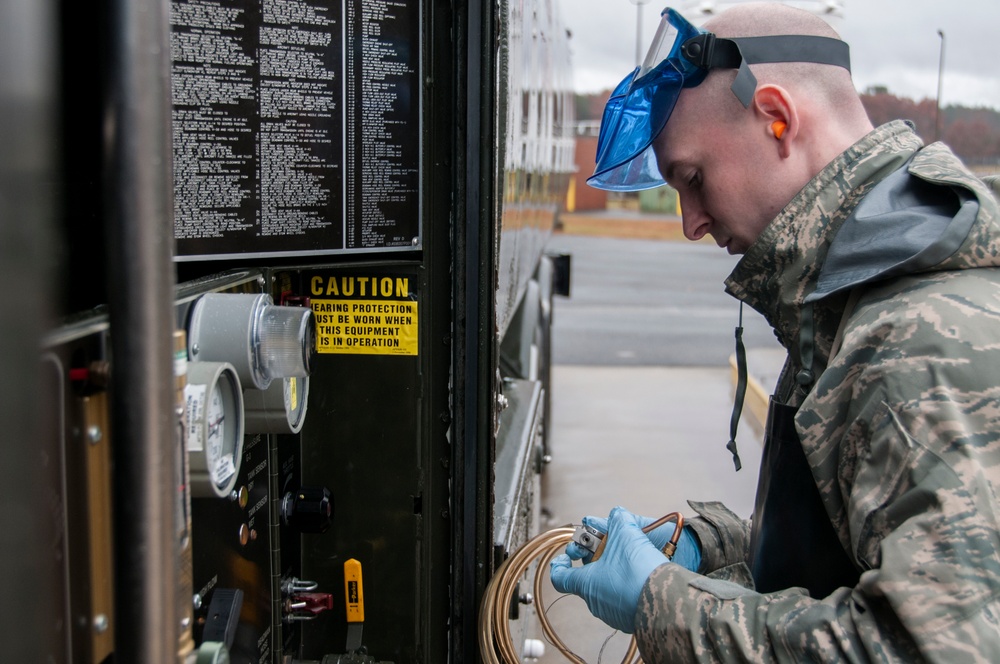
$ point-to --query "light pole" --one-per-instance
(937, 105)
(638, 29)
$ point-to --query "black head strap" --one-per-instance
(710, 52)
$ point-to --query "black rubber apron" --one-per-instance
(792, 542)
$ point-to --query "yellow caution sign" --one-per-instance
(363, 315)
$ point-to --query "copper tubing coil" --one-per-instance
(495, 642)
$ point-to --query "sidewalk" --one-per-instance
(645, 437)
(612, 444)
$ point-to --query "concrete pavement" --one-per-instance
(646, 438)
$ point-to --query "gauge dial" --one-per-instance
(214, 400)
(219, 448)
(296, 392)
(281, 408)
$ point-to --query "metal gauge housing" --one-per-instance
(214, 401)
(262, 340)
(281, 408)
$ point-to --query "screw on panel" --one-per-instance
(100, 623)
(94, 434)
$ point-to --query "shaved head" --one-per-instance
(829, 85)
(732, 167)
(760, 19)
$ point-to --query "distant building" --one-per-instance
(581, 195)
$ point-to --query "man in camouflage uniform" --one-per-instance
(875, 259)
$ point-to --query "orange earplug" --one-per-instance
(778, 127)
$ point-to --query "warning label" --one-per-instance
(364, 326)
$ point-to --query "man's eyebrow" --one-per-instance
(671, 170)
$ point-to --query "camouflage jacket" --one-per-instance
(901, 427)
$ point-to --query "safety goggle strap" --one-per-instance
(710, 52)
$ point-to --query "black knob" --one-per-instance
(308, 510)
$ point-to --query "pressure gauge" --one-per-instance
(214, 401)
(281, 408)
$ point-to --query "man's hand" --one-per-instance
(687, 555)
(611, 586)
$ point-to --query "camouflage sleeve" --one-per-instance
(916, 455)
(723, 536)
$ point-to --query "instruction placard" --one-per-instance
(364, 315)
(293, 126)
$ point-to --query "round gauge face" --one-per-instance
(291, 396)
(220, 439)
(218, 447)
(215, 429)
(291, 393)
(296, 390)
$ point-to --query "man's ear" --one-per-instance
(773, 107)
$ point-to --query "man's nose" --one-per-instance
(694, 220)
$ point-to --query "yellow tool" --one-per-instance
(354, 595)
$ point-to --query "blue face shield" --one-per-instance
(680, 56)
(639, 107)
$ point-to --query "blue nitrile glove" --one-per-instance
(612, 585)
(687, 555)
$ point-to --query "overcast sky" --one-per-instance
(893, 43)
